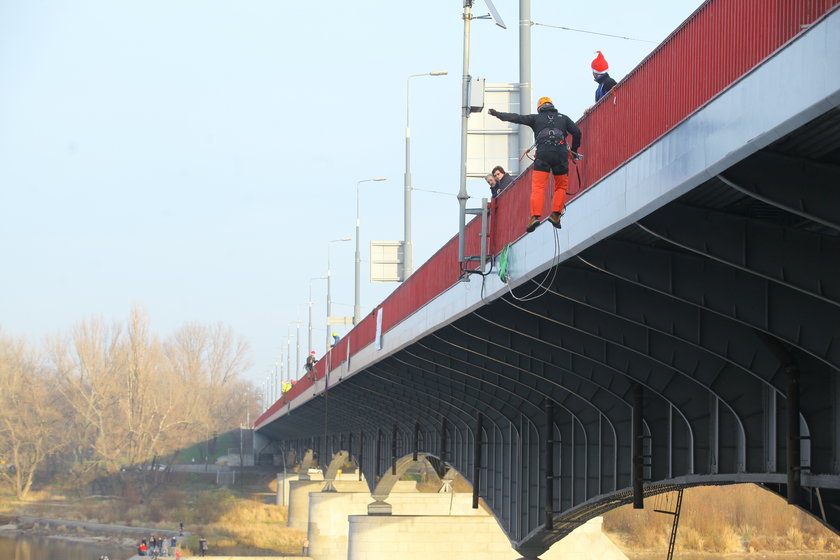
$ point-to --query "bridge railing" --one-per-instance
(723, 38)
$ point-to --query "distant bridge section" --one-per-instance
(683, 328)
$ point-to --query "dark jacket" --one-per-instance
(543, 124)
(605, 84)
(503, 184)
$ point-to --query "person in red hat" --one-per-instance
(550, 131)
(602, 77)
(309, 366)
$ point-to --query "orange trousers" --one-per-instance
(539, 180)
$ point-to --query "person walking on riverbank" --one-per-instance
(202, 546)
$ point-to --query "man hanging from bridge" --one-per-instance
(550, 131)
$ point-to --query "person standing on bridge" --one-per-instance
(550, 130)
(309, 366)
(599, 72)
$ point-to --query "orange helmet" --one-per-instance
(543, 101)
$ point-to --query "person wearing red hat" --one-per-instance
(309, 366)
(550, 131)
(602, 77)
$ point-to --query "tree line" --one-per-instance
(101, 396)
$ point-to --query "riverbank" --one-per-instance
(240, 521)
(122, 537)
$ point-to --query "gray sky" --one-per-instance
(196, 157)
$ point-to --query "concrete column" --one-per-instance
(477, 537)
(299, 491)
(329, 512)
(427, 537)
(283, 488)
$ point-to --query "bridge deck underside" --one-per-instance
(711, 305)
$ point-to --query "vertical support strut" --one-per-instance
(477, 460)
(377, 460)
(549, 464)
(361, 452)
(638, 447)
(790, 368)
(443, 430)
(794, 471)
(394, 450)
(416, 439)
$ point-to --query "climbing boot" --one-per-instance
(532, 224)
(554, 218)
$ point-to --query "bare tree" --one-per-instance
(132, 397)
(90, 363)
(31, 416)
(208, 362)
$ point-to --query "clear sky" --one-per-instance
(197, 156)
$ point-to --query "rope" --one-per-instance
(592, 32)
(542, 286)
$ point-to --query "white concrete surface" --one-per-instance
(462, 537)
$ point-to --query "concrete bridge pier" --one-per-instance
(477, 537)
(329, 512)
(299, 491)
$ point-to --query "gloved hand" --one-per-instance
(576, 156)
(493, 112)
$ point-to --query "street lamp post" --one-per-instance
(329, 275)
(309, 345)
(288, 353)
(297, 357)
(408, 247)
(297, 344)
(357, 306)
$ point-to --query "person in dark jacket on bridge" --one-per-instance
(599, 72)
(503, 179)
(494, 185)
(550, 131)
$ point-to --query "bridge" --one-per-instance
(681, 329)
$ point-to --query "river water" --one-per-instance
(45, 548)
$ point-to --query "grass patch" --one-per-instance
(723, 519)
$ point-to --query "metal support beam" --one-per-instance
(359, 460)
(477, 459)
(377, 464)
(443, 430)
(790, 368)
(394, 450)
(548, 437)
(794, 472)
(416, 439)
(638, 446)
